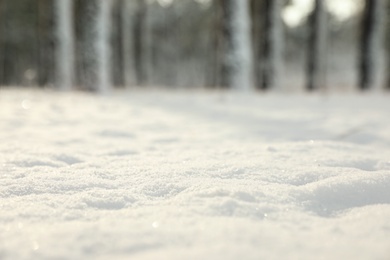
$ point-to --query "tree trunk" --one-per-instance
(257, 10)
(371, 44)
(316, 62)
(45, 42)
(65, 45)
(86, 53)
(116, 42)
(102, 45)
(387, 30)
(237, 48)
(127, 43)
(272, 65)
(8, 65)
(94, 46)
(141, 43)
(2, 32)
(212, 71)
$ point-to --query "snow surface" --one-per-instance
(158, 175)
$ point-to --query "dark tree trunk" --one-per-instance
(8, 64)
(387, 22)
(370, 44)
(317, 47)
(216, 57)
(45, 42)
(257, 10)
(140, 43)
(213, 62)
(227, 41)
(86, 58)
(117, 44)
(273, 45)
(2, 32)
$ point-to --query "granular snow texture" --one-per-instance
(159, 175)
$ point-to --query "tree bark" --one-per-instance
(272, 65)
(8, 64)
(316, 60)
(65, 45)
(2, 32)
(141, 43)
(212, 71)
(127, 43)
(237, 67)
(370, 47)
(103, 46)
(116, 42)
(44, 58)
(94, 46)
(257, 10)
(86, 34)
(387, 31)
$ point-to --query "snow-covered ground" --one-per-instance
(158, 175)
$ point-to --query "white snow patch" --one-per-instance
(193, 176)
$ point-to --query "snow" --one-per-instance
(160, 175)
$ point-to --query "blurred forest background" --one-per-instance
(293, 45)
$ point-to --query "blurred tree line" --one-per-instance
(191, 43)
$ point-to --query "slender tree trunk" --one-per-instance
(8, 65)
(94, 48)
(173, 78)
(272, 65)
(102, 45)
(127, 43)
(116, 42)
(257, 40)
(32, 74)
(65, 44)
(371, 44)
(387, 30)
(168, 74)
(141, 43)
(2, 32)
(87, 54)
(212, 71)
(44, 51)
(316, 60)
(237, 67)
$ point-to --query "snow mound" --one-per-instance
(158, 175)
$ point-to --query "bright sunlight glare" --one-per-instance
(344, 9)
(295, 13)
(165, 2)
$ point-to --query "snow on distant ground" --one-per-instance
(155, 175)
